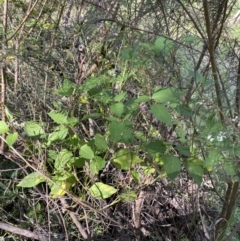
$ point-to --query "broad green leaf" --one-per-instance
(120, 131)
(33, 129)
(117, 109)
(120, 96)
(72, 121)
(97, 164)
(57, 117)
(172, 166)
(184, 150)
(143, 98)
(101, 191)
(79, 162)
(32, 180)
(155, 147)
(65, 91)
(195, 171)
(163, 44)
(211, 160)
(124, 159)
(128, 195)
(100, 142)
(9, 115)
(11, 138)
(61, 185)
(231, 168)
(59, 134)
(184, 110)
(149, 170)
(86, 152)
(161, 113)
(116, 129)
(135, 175)
(166, 95)
(64, 158)
(3, 127)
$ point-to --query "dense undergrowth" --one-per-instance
(119, 120)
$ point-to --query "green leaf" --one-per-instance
(59, 134)
(100, 142)
(67, 88)
(117, 109)
(97, 164)
(135, 175)
(124, 159)
(128, 196)
(86, 152)
(3, 127)
(184, 150)
(79, 162)
(172, 166)
(32, 180)
(231, 169)
(143, 98)
(58, 118)
(61, 185)
(9, 115)
(161, 113)
(120, 96)
(155, 147)
(166, 95)
(211, 160)
(64, 157)
(11, 138)
(33, 129)
(101, 191)
(120, 131)
(195, 171)
(163, 44)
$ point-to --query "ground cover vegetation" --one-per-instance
(119, 120)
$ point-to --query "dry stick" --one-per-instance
(26, 233)
(23, 21)
(3, 70)
(137, 214)
(74, 218)
(220, 224)
(211, 46)
(229, 210)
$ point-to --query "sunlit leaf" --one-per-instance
(64, 157)
(11, 138)
(3, 127)
(86, 152)
(166, 95)
(101, 191)
(32, 180)
(97, 164)
(124, 159)
(57, 117)
(33, 129)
